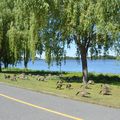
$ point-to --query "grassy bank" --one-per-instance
(49, 85)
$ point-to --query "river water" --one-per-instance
(98, 66)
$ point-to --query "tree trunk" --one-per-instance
(25, 60)
(25, 64)
(0, 67)
(5, 65)
(84, 64)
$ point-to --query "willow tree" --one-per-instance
(53, 43)
(91, 23)
(21, 29)
(6, 17)
(0, 40)
(29, 19)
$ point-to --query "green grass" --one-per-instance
(76, 80)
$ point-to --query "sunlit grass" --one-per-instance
(49, 86)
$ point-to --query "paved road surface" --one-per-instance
(21, 104)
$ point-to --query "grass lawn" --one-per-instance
(49, 86)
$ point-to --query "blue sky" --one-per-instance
(72, 51)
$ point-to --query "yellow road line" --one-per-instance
(42, 108)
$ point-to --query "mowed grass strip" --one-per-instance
(49, 86)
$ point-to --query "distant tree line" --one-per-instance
(93, 57)
(103, 57)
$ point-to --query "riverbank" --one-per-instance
(75, 79)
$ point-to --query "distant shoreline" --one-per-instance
(108, 57)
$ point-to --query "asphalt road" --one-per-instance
(21, 104)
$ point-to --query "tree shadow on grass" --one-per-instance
(106, 79)
(71, 79)
(34, 72)
(97, 78)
